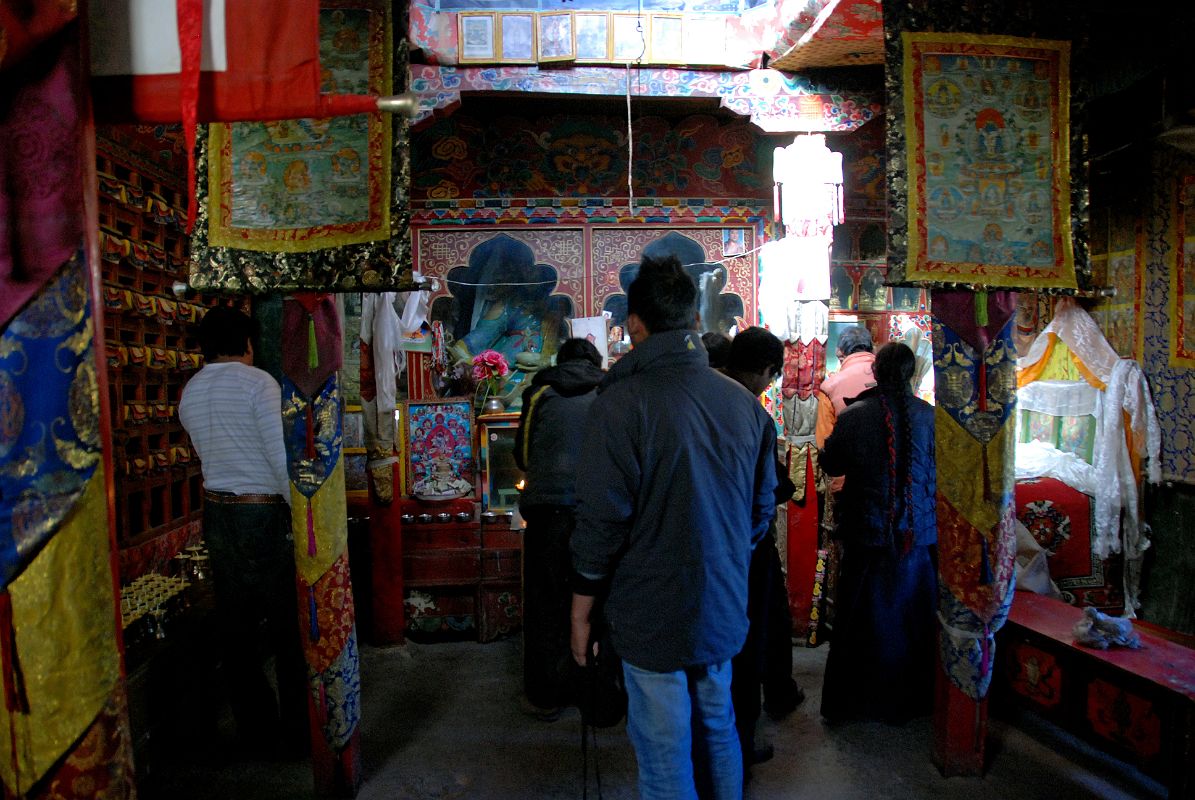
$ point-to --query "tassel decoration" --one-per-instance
(312, 346)
(313, 633)
(311, 548)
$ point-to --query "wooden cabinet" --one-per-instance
(460, 574)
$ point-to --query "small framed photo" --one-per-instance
(516, 38)
(630, 37)
(476, 37)
(354, 429)
(594, 36)
(705, 39)
(667, 43)
(556, 36)
(439, 439)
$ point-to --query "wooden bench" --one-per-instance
(1137, 705)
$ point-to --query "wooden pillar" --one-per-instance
(389, 620)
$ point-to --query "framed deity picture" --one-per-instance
(593, 35)
(476, 37)
(354, 429)
(500, 476)
(630, 37)
(667, 42)
(555, 36)
(356, 472)
(516, 38)
(439, 436)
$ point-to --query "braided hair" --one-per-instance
(893, 368)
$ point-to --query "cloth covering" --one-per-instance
(1115, 391)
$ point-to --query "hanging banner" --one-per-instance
(987, 127)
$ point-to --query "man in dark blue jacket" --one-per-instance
(676, 489)
(550, 432)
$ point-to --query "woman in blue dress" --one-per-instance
(882, 650)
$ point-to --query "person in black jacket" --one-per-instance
(881, 662)
(679, 488)
(755, 359)
(550, 431)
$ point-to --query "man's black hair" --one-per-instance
(226, 332)
(579, 350)
(663, 295)
(717, 346)
(753, 350)
(855, 339)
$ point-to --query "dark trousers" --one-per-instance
(766, 658)
(547, 599)
(253, 566)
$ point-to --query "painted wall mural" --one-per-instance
(465, 156)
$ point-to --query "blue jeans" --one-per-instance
(674, 717)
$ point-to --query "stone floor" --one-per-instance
(447, 721)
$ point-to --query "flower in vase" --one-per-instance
(489, 369)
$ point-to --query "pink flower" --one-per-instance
(489, 366)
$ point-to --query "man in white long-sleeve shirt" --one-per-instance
(233, 414)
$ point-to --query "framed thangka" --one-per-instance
(988, 149)
(1182, 279)
(476, 37)
(516, 38)
(593, 35)
(439, 438)
(273, 193)
(555, 38)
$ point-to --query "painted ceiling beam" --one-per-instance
(774, 101)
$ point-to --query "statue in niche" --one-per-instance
(718, 309)
(503, 301)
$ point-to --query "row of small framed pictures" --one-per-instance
(589, 37)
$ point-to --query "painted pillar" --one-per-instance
(312, 422)
(975, 388)
(63, 713)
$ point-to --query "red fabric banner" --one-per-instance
(273, 73)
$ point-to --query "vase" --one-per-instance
(493, 405)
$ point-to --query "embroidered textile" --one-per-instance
(49, 416)
(804, 368)
(41, 202)
(66, 637)
(967, 645)
(336, 692)
(322, 518)
(335, 616)
(313, 433)
(311, 340)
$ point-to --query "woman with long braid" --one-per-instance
(881, 661)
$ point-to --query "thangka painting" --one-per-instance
(305, 184)
(1117, 259)
(440, 448)
(1182, 280)
(988, 149)
(309, 204)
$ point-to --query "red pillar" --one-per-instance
(960, 729)
(385, 548)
